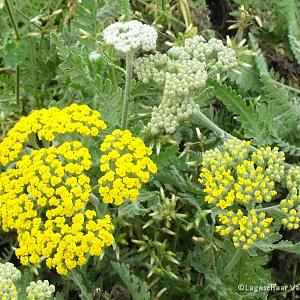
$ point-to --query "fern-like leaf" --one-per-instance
(138, 288)
(246, 114)
(260, 62)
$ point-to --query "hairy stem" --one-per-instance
(127, 92)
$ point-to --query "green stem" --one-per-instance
(275, 208)
(295, 90)
(12, 18)
(235, 259)
(18, 88)
(212, 126)
(127, 92)
(18, 37)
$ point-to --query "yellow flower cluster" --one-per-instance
(51, 183)
(126, 165)
(231, 175)
(236, 179)
(44, 194)
(246, 229)
(291, 205)
(48, 124)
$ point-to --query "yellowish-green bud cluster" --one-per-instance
(8, 290)
(126, 165)
(291, 205)
(246, 229)
(40, 290)
(9, 275)
(231, 175)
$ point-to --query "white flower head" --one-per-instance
(130, 36)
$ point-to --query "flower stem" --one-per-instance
(235, 259)
(18, 37)
(12, 18)
(127, 92)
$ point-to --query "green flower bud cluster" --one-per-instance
(291, 205)
(9, 275)
(40, 290)
(180, 72)
(214, 53)
(167, 212)
(236, 181)
(9, 271)
(170, 112)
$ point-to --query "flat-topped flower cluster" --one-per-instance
(238, 181)
(45, 192)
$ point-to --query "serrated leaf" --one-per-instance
(272, 242)
(246, 114)
(145, 202)
(138, 288)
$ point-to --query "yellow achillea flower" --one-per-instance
(52, 182)
(235, 181)
(246, 229)
(48, 124)
(291, 205)
(45, 193)
(126, 165)
(231, 175)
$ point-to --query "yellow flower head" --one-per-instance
(126, 165)
(48, 125)
(231, 175)
(235, 181)
(291, 205)
(45, 193)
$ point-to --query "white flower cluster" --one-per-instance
(40, 290)
(180, 72)
(130, 36)
(9, 274)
